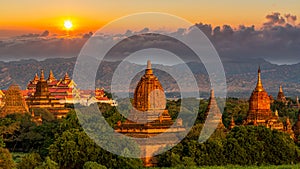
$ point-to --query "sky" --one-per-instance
(92, 14)
(35, 29)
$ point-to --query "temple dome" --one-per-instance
(149, 94)
(259, 103)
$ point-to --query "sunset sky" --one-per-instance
(42, 29)
(89, 15)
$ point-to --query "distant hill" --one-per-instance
(241, 75)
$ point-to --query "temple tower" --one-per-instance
(43, 99)
(51, 77)
(280, 95)
(149, 118)
(213, 113)
(13, 101)
(259, 104)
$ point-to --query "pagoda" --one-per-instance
(259, 112)
(13, 101)
(43, 99)
(280, 96)
(149, 117)
(213, 113)
(62, 89)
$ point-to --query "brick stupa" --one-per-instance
(259, 112)
(149, 118)
(14, 102)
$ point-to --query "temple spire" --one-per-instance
(149, 68)
(66, 78)
(51, 76)
(42, 78)
(280, 89)
(149, 64)
(212, 93)
(259, 86)
(36, 77)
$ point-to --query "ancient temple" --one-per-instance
(280, 96)
(43, 99)
(149, 116)
(13, 101)
(213, 113)
(259, 112)
(62, 89)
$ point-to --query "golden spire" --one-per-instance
(280, 89)
(212, 93)
(42, 75)
(149, 68)
(66, 78)
(51, 76)
(36, 77)
(259, 86)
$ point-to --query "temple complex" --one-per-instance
(62, 89)
(149, 117)
(213, 113)
(260, 113)
(42, 98)
(280, 96)
(13, 102)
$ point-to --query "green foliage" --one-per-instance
(237, 108)
(6, 161)
(48, 164)
(29, 161)
(173, 108)
(93, 165)
(44, 113)
(2, 144)
(284, 110)
(73, 148)
(245, 145)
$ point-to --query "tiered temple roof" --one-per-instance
(260, 112)
(61, 89)
(213, 113)
(42, 98)
(149, 116)
(280, 95)
(13, 101)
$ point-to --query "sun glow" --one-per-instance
(68, 24)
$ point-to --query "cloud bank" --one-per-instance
(276, 41)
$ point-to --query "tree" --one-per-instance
(48, 164)
(73, 148)
(30, 161)
(93, 165)
(6, 161)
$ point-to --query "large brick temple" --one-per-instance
(260, 113)
(150, 118)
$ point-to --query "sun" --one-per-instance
(68, 24)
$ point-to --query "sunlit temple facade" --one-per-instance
(42, 98)
(149, 116)
(260, 112)
(13, 102)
